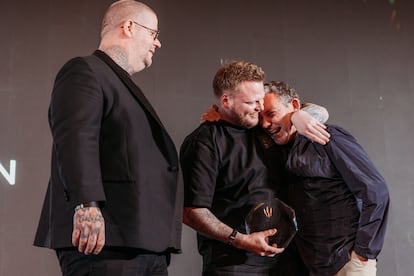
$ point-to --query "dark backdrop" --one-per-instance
(355, 57)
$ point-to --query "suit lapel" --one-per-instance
(126, 79)
(160, 135)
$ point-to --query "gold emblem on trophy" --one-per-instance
(269, 214)
(268, 211)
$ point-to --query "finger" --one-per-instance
(321, 138)
(90, 244)
(75, 237)
(272, 251)
(323, 133)
(94, 236)
(83, 239)
(321, 128)
(76, 231)
(279, 250)
(319, 124)
(100, 242)
(270, 232)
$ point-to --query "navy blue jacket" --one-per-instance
(341, 201)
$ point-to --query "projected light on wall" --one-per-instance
(9, 175)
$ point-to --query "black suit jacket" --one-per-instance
(109, 145)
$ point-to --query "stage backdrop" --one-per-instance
(353, 56)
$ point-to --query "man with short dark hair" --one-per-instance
(341, 200)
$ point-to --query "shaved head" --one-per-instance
(123, 10)
(129, 35)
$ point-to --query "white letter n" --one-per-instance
(10, 177)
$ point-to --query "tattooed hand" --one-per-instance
(88, 230)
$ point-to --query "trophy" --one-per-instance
(273, 213)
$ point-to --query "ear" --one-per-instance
(296, 104)
(225, 101)
(127, 28)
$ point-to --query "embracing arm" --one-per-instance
(309, 121)
(318, 112)
(206, 223)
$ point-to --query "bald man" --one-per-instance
(113, 203)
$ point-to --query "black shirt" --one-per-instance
(224, 170)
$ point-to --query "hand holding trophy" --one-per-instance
(273, 213)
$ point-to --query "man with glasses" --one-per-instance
(154, 33)
(112, 206)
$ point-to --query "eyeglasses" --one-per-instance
(154, 33)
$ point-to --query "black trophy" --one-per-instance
(273, 213)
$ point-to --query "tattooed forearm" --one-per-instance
(206, 223)
(318, 112)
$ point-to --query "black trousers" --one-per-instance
(240, 270)
(288, 263)
(113, 262)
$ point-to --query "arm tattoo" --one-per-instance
(318, 112)
(206, 223)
